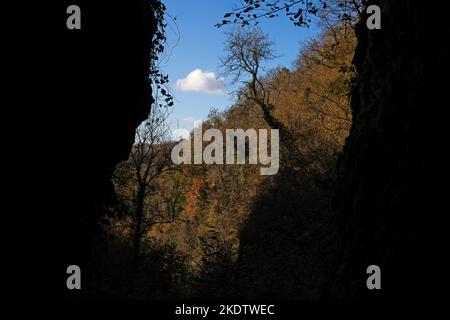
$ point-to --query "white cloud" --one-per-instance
(202, 81)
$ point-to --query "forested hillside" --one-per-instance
(233, 232)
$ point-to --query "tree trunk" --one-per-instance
(139, 217)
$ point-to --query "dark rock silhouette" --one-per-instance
(81, 94)
(390, 196)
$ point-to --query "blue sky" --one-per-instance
(199, 47)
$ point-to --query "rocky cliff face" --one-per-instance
(390, 198)
(82, 94)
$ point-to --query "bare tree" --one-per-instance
(147, 196)
(245, 53)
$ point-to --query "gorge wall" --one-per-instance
(390, 196)
(81, 94)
